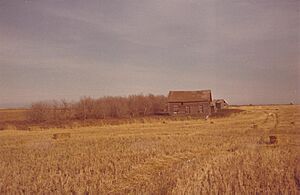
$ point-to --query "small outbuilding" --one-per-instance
(190, 103)
(219, 104)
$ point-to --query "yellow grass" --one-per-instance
(222, 155)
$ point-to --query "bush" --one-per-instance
(101, 108)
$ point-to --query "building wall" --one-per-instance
(189, 108)
(220, 105)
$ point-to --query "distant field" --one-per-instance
(218, 155)
(13, 114)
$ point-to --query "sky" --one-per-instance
(245, 51)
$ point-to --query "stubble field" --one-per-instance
(218, 155)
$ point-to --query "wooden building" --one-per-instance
(190, 103)
(219, 104)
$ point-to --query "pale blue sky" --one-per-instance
(245, 51)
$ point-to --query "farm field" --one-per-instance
(7, 115)
(219, 155)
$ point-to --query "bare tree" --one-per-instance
(89, 108)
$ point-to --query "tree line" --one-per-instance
(98, 108)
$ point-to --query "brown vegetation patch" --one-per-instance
(61, 135)
(254, 126)
(273, 139)
(270, 140)
(226, 113)
(76, 123)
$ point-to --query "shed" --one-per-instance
(219, 104)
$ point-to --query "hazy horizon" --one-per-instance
(247, 52)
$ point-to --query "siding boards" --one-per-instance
(189, 108)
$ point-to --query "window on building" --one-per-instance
(200, 109)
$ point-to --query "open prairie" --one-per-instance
(7, 115)
(219, 155)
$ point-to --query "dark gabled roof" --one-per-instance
(190, 96)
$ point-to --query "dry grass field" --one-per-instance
(219, 155)
(7, 115)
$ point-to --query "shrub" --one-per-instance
(101, 108)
